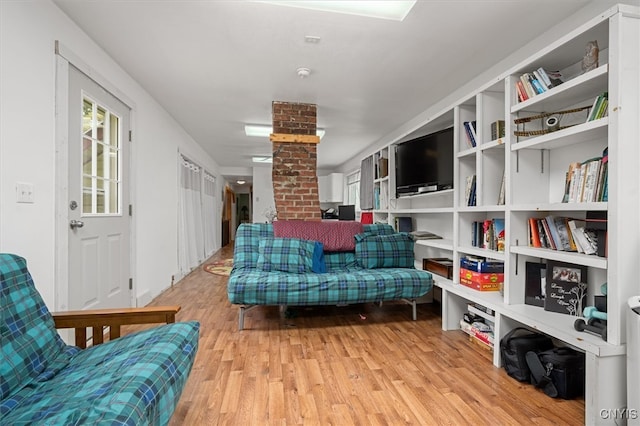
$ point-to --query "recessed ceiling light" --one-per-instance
(312, 39)
(395, 10)
(262, 130)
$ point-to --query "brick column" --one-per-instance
(295, 180)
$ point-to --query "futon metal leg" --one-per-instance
(414, 307)
(243, 308)
(241, 319)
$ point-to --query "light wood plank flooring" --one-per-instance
(355, 365)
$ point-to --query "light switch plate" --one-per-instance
(24, 193)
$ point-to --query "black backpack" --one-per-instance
(514, 347)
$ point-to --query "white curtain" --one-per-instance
(209, 214)
(190, 228)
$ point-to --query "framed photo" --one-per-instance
(566, 288)
(535, 283)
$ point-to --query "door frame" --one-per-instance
(63, 58)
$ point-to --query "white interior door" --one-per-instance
(99, 221)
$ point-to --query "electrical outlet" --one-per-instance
(24, 193)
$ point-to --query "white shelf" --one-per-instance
(475, 251)
(440, 243)
(479, 209)
(562, 256)
(560, 207)
(423, 211)
(568, 93)
(498, 143)
(560, 326)
(591, 130)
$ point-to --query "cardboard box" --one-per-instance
(482, 266)
(439, 265)
(481, 281)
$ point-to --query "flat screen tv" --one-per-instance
(425, 164)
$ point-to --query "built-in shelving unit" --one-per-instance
(533, 171)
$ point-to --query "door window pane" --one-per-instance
(101, 158)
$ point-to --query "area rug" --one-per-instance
(220, 267)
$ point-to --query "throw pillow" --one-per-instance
(384, 251)
(292, 255)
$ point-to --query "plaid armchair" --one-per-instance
(133, 380)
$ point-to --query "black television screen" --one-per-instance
(425, 164)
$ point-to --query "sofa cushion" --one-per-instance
(334, 235)
(351, 285)
(384, 251)
(133, 380)
(32, 351)
(290, 255)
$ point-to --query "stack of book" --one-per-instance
(536, 82)
(488, 234)
(470, 131)
(587, 181)
(470, 191)
(565, 234)
(599, 108)
(479, 325)
(497, 130)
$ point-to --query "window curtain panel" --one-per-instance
(209, 214)
(366, 183)
(190, 228)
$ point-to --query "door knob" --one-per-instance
(73, 224)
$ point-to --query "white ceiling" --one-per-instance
(216, 65)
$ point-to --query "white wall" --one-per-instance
(28, 30)
(262, 192)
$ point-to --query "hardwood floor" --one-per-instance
(354, 365)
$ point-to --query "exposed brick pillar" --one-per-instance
(295, 179)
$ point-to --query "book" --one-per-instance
(470, 129)
(545, 78)
(568, 188)
(497, 130)
(533, 231)
(487, 234)
(555, 235)
(547, 234)
(527, 86)
(501, 193)
(535, 84)
(404, 224)
(563, 233)
(467, 131)
(577, 228)
(572, 243)
(522, 94)
(424, 235)
(498, 234)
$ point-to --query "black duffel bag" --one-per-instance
(559, 372)
(514, 347)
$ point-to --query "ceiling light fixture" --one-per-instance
(261, 130)
(241, 182)
(303, 72)
(395, 10)
(262, 159)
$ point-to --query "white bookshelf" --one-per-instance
(534, 169)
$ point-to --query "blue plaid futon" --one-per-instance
(344, 283)
(134, 380)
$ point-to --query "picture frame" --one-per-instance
(566, 288)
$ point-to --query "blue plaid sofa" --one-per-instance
(350, 276)
(133, 380)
